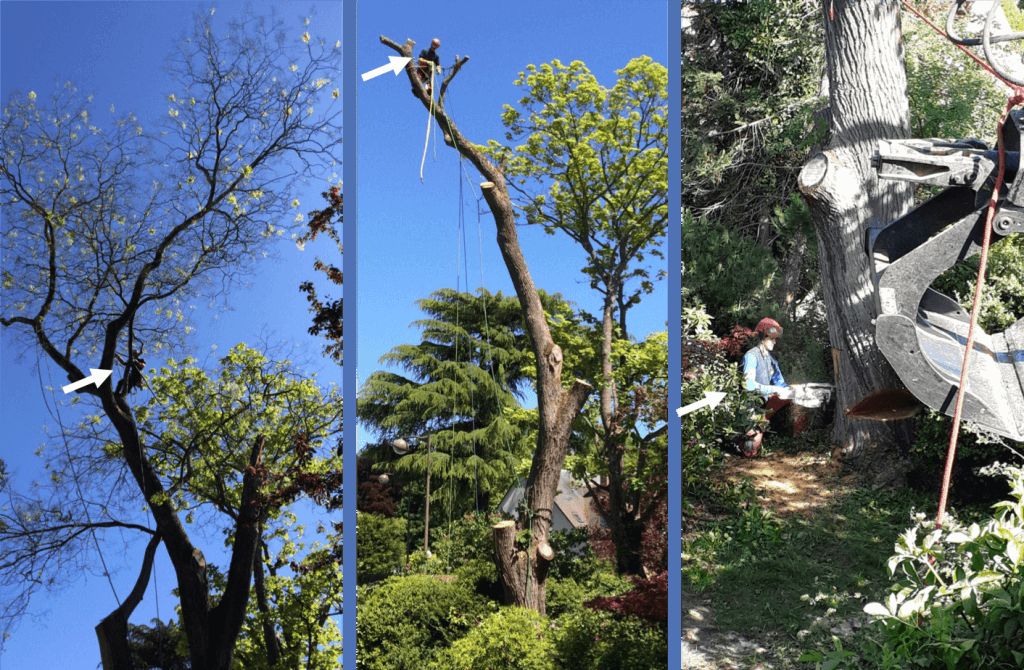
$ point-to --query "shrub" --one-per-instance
(648, 599)
(480, 575)
(464, 540)
(568, 594)
(704, 432)
(601, 641)
(734, 274)
(404, 621)
(958, 594)
(1002, 302)
(512, 638)
(381, 546)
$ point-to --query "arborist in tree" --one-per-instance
(762, 375)
(428, 61)
(132, 378)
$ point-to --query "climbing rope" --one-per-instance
(54, 411)
(430, 119)
(1016, 98)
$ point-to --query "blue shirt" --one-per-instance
(761, 372)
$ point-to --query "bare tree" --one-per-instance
(109, 231)
(522, 572)
(867, 101)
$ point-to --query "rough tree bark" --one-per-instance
(523, 572)
(112, 631)
(867, 102)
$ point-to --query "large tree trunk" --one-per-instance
(523, 571)
(868, 102)
(211, 630)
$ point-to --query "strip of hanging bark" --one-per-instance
(112, 631)
(887, 405)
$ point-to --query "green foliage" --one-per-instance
(202, 427)
(1014, 15)
(162, 645)
(512, 638)
(728, 272)
(958, 594)
(950, 96)
(592, 162)
(404, 621)
(1002, 302)
(707, 431)
(569, 594)
(458, 388)
(300, 608)
(381, 546)
(751, 80)
(601, 641)
(975, 447)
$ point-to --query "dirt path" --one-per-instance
(788, 484)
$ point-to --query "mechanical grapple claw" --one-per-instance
(921, 332)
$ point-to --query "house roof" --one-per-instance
(572, 499)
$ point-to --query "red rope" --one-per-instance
(1016, 98)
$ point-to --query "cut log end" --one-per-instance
(545, 552)
(503, 524)
(486, 185)
(813, 173)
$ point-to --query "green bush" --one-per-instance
(706, 432)
(464, 540)
(479, 574)
(958, 595)
(381, 546)
(420, 564)
(602, 641)
(569, 594)
(931, 441)
(950, 96)
(512, 638)
(734, 274)
(1002, 302)
(404, 621)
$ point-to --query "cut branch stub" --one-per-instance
(813, 174)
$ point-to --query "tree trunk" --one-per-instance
(270, 641)
(868, 102)
(557, 407)
(619, 515)
(791, 269)
(112, 631)
(211, 631)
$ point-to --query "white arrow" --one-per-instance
(95, 377)
(395, 65)
(711, 399)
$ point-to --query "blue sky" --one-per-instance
(407, 229)
(117, 51)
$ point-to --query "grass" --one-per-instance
(768, 575)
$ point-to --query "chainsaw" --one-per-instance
(920, 331)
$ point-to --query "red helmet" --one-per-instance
(769, 327)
